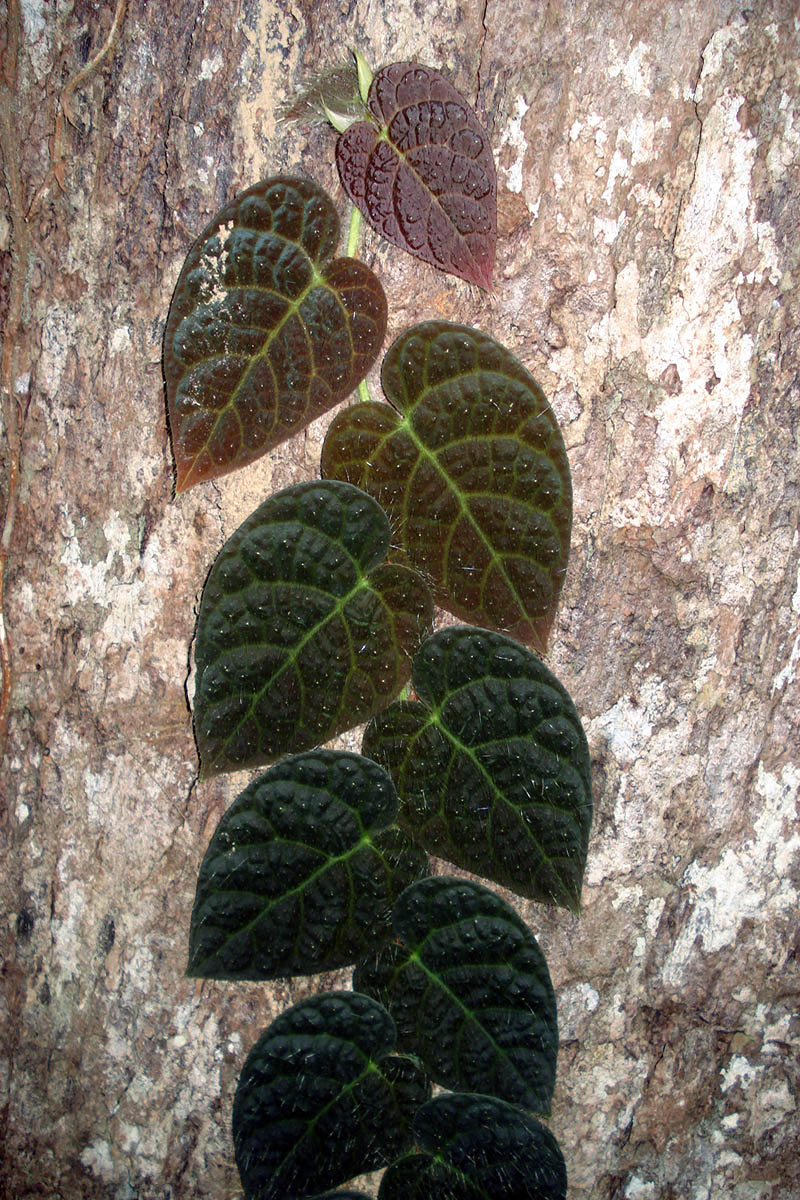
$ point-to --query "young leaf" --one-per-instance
(320, 1100)
(477, 1148)
(333, 94)
(304, 631)
(302, 871)
(471, 466)
(469, 991)
(267, 330)
(491, 764)
(423, 174)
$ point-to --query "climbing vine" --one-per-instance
(317, 617)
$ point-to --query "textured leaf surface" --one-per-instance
(321, 1100)
(303, 630)
(470, 463)
(469, 992)
(339, 1194)
(423, 174)
(491, 764)
(477, 1148)
(302, 871)
(266, 330)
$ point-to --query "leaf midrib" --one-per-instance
(500, 795)
(329, 863)
(293, 307)
(415, 955)
(371, 1065)
(432, 717)
(384, 136)
(404, 424)
(340, 604)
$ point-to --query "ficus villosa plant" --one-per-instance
(316, 615)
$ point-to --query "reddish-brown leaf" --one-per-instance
(424, 175)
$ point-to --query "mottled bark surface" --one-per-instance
(647, 275)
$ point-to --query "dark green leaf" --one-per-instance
(320, 1101)
(491, 764)
(266, 330)
(303, 630)
(422, 173)
(302, 871)
(341, 1195)
(470, 465)
(469, 992)
(477, 1148)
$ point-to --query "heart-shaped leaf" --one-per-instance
(302, 871)
(477, 1148)
(321, 1099)
(266, 330)
(423, 174)
(491, 764)
(471, 466)
(469, 991)
(304, 631)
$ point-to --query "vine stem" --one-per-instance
(352, 246)
(21, 255)
(355, 230)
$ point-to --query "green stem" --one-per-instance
(352, 245)
(355, 229)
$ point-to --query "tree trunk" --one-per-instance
(647, 276)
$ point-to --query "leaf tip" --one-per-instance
(365, 75)
(484, 277)
(206, 771)
(340, 121)
(186, 475)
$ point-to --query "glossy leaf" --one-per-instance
(302, 871)
(491, 764)
(471, 466)
(304, 631)
(321, 1099)
(469, 991)
(477, 1148)
(267, 330)
(422, 173)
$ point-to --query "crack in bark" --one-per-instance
(172, 114)
(684, 199)
(479, 70)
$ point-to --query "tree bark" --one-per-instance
(647, 275)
